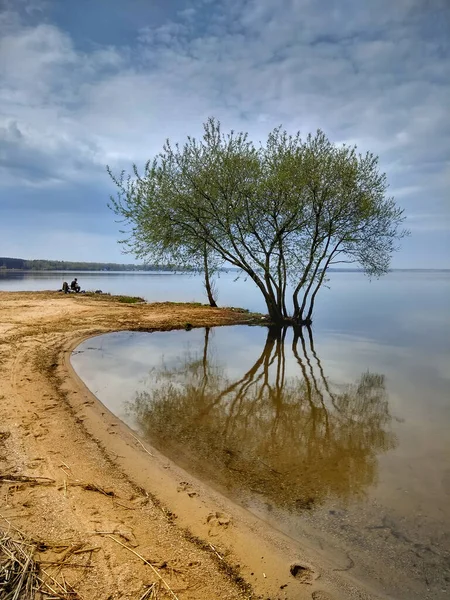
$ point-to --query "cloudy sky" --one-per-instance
(87, 83)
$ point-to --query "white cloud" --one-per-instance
(375, 74)
(428, 222)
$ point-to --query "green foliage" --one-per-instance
(283, 213)
(12, 263)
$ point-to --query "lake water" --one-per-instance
(341, 436)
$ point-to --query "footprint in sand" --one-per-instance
(36, 463)
(184, 486)
(319, 595)
(217, 521)
(303, 573)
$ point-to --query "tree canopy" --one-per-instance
(282, 212)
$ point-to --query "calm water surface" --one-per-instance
(340, 435)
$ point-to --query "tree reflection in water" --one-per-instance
(296, 440)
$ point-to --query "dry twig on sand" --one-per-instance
(152, 591)
(19, 573)
(22, 572)
(26, 479)
(90, 487)
(142, 445)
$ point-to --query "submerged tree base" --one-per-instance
(290, 322)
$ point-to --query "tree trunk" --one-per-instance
(275, 312)
(208, 286)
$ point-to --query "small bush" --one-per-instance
(129, 299)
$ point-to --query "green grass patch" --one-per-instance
(129, 299)
(109, 297)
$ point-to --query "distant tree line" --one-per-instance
(21, 264)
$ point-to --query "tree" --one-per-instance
(153, 237)
(283, 213)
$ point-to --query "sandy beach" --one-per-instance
(72, 474)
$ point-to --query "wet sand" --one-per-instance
(51, 426)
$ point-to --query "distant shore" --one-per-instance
(193, 271)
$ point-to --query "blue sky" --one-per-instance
(89, 83)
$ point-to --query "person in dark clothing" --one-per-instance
(75, 286)
(65, 287)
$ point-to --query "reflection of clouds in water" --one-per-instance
(442, 366)
(412, 371)
(108, 363)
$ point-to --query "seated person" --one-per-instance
(65, 287)
(75, 286)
